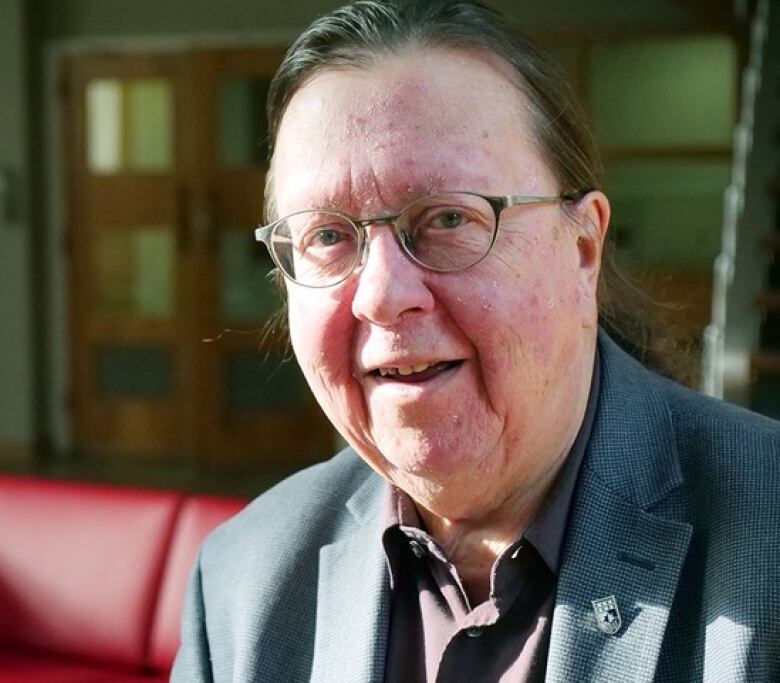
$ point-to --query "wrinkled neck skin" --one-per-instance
(473, 543)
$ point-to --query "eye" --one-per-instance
(327, 237)
(448, 219)
(319, 232)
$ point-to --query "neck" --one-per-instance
(474, 544)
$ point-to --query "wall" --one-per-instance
(16, 355)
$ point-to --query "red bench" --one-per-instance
(92, 578)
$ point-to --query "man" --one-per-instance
(521, 501)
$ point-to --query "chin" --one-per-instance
(445, 499)
(436, 464)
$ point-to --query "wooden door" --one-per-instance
(166, 166)
(127, 274)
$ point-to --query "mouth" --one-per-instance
(419, 372)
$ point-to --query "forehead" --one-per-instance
(421, 121)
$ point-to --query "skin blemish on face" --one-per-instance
(359, 122)
(435, 182)
(527, 248)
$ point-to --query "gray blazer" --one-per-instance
(676, 514)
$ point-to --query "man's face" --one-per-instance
(512, 337)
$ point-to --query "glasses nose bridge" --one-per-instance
(391, 220)
(362, 225)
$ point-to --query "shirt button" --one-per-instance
(475, 631)
(417, 549)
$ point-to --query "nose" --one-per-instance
(389, 283)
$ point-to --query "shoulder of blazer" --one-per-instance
(650, 431)
(313, 506)
(269, 573)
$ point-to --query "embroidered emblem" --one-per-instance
(607, 615)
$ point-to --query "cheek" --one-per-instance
(525, 317)
(320, 332)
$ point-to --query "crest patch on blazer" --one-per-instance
(607, 615)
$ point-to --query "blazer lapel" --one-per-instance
(618, 543)
(633, 556)
(353, 598)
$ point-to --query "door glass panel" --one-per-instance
(135, 272)
(104, 126)
(246, 292)
(243, 134)
(134, 372)
(256, 382)
(130, 125)
(149, 124)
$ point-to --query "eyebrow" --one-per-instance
(412, 193)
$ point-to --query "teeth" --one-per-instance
(405, 371)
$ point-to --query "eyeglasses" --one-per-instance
(443, 232)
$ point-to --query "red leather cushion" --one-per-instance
(80, 566)
(199, 515)
(20, 668)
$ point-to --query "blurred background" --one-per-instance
(133, 298)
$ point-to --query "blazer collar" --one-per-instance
(617, 544)
(633, 447)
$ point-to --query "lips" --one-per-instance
(419, 372)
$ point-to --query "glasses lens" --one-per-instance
(448, 231)
(316, 248)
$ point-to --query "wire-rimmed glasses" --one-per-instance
(443, 232)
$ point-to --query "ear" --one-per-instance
(592, 214)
